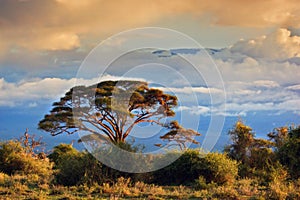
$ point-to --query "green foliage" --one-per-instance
(212, 167)
(26, 175)
(112, 108)
(11, 157)
(182, 171)
(279, 136)
(218, 168)
(60, 151)
(201, 183)
(179, 135)
(74, 167)
(242, 139)
(289, 153)
(256, 157)
(215, 179)
(14, 158)
(70, 168)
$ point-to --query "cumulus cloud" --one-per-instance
(56, 34)
(13, 94)
(258, 69)
(267, 82)
(280, 44)
(252, 82)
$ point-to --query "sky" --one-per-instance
(254, 46)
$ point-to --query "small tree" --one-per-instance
(242, 140)
(179, 135)
(256, 156)
(289, 152)
(31, 143)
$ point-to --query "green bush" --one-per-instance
(60, 151)
(181, 172)
(15, 159)
(74, 167)
(69, 164)
(12, 156)
(213, 167)
(218, 168)
(289, 153)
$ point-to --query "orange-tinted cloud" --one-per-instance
(62, 24)
(53, 41)
(277, 45)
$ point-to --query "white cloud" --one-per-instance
(242, 97)
(33, 92)
(280, 44)
(232, 114)
(190, 90)
(266, 84)
(251, 83)
(195, 110)
(32, 105)
(13, 94)
(293, 87)
(292, 105)
(243, 70)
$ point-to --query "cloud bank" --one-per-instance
(64, 25)
(258, 75)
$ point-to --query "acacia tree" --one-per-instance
(279, 136)
(109, 109)
(179, 135)
(256, 156)
(242, 140)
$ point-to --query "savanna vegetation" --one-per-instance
(248, 168)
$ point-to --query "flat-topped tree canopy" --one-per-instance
(110, 109)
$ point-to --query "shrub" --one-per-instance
(201, 183)
(12, 157)
(15, 159)
(4, 178)
(181, 172)
(247, 187)
(218, 168)
(69, 164)
(60, 151)
(74, 167)
(213, 167)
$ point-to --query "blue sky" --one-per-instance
(255, 46)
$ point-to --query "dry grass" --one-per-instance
(22, 187)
